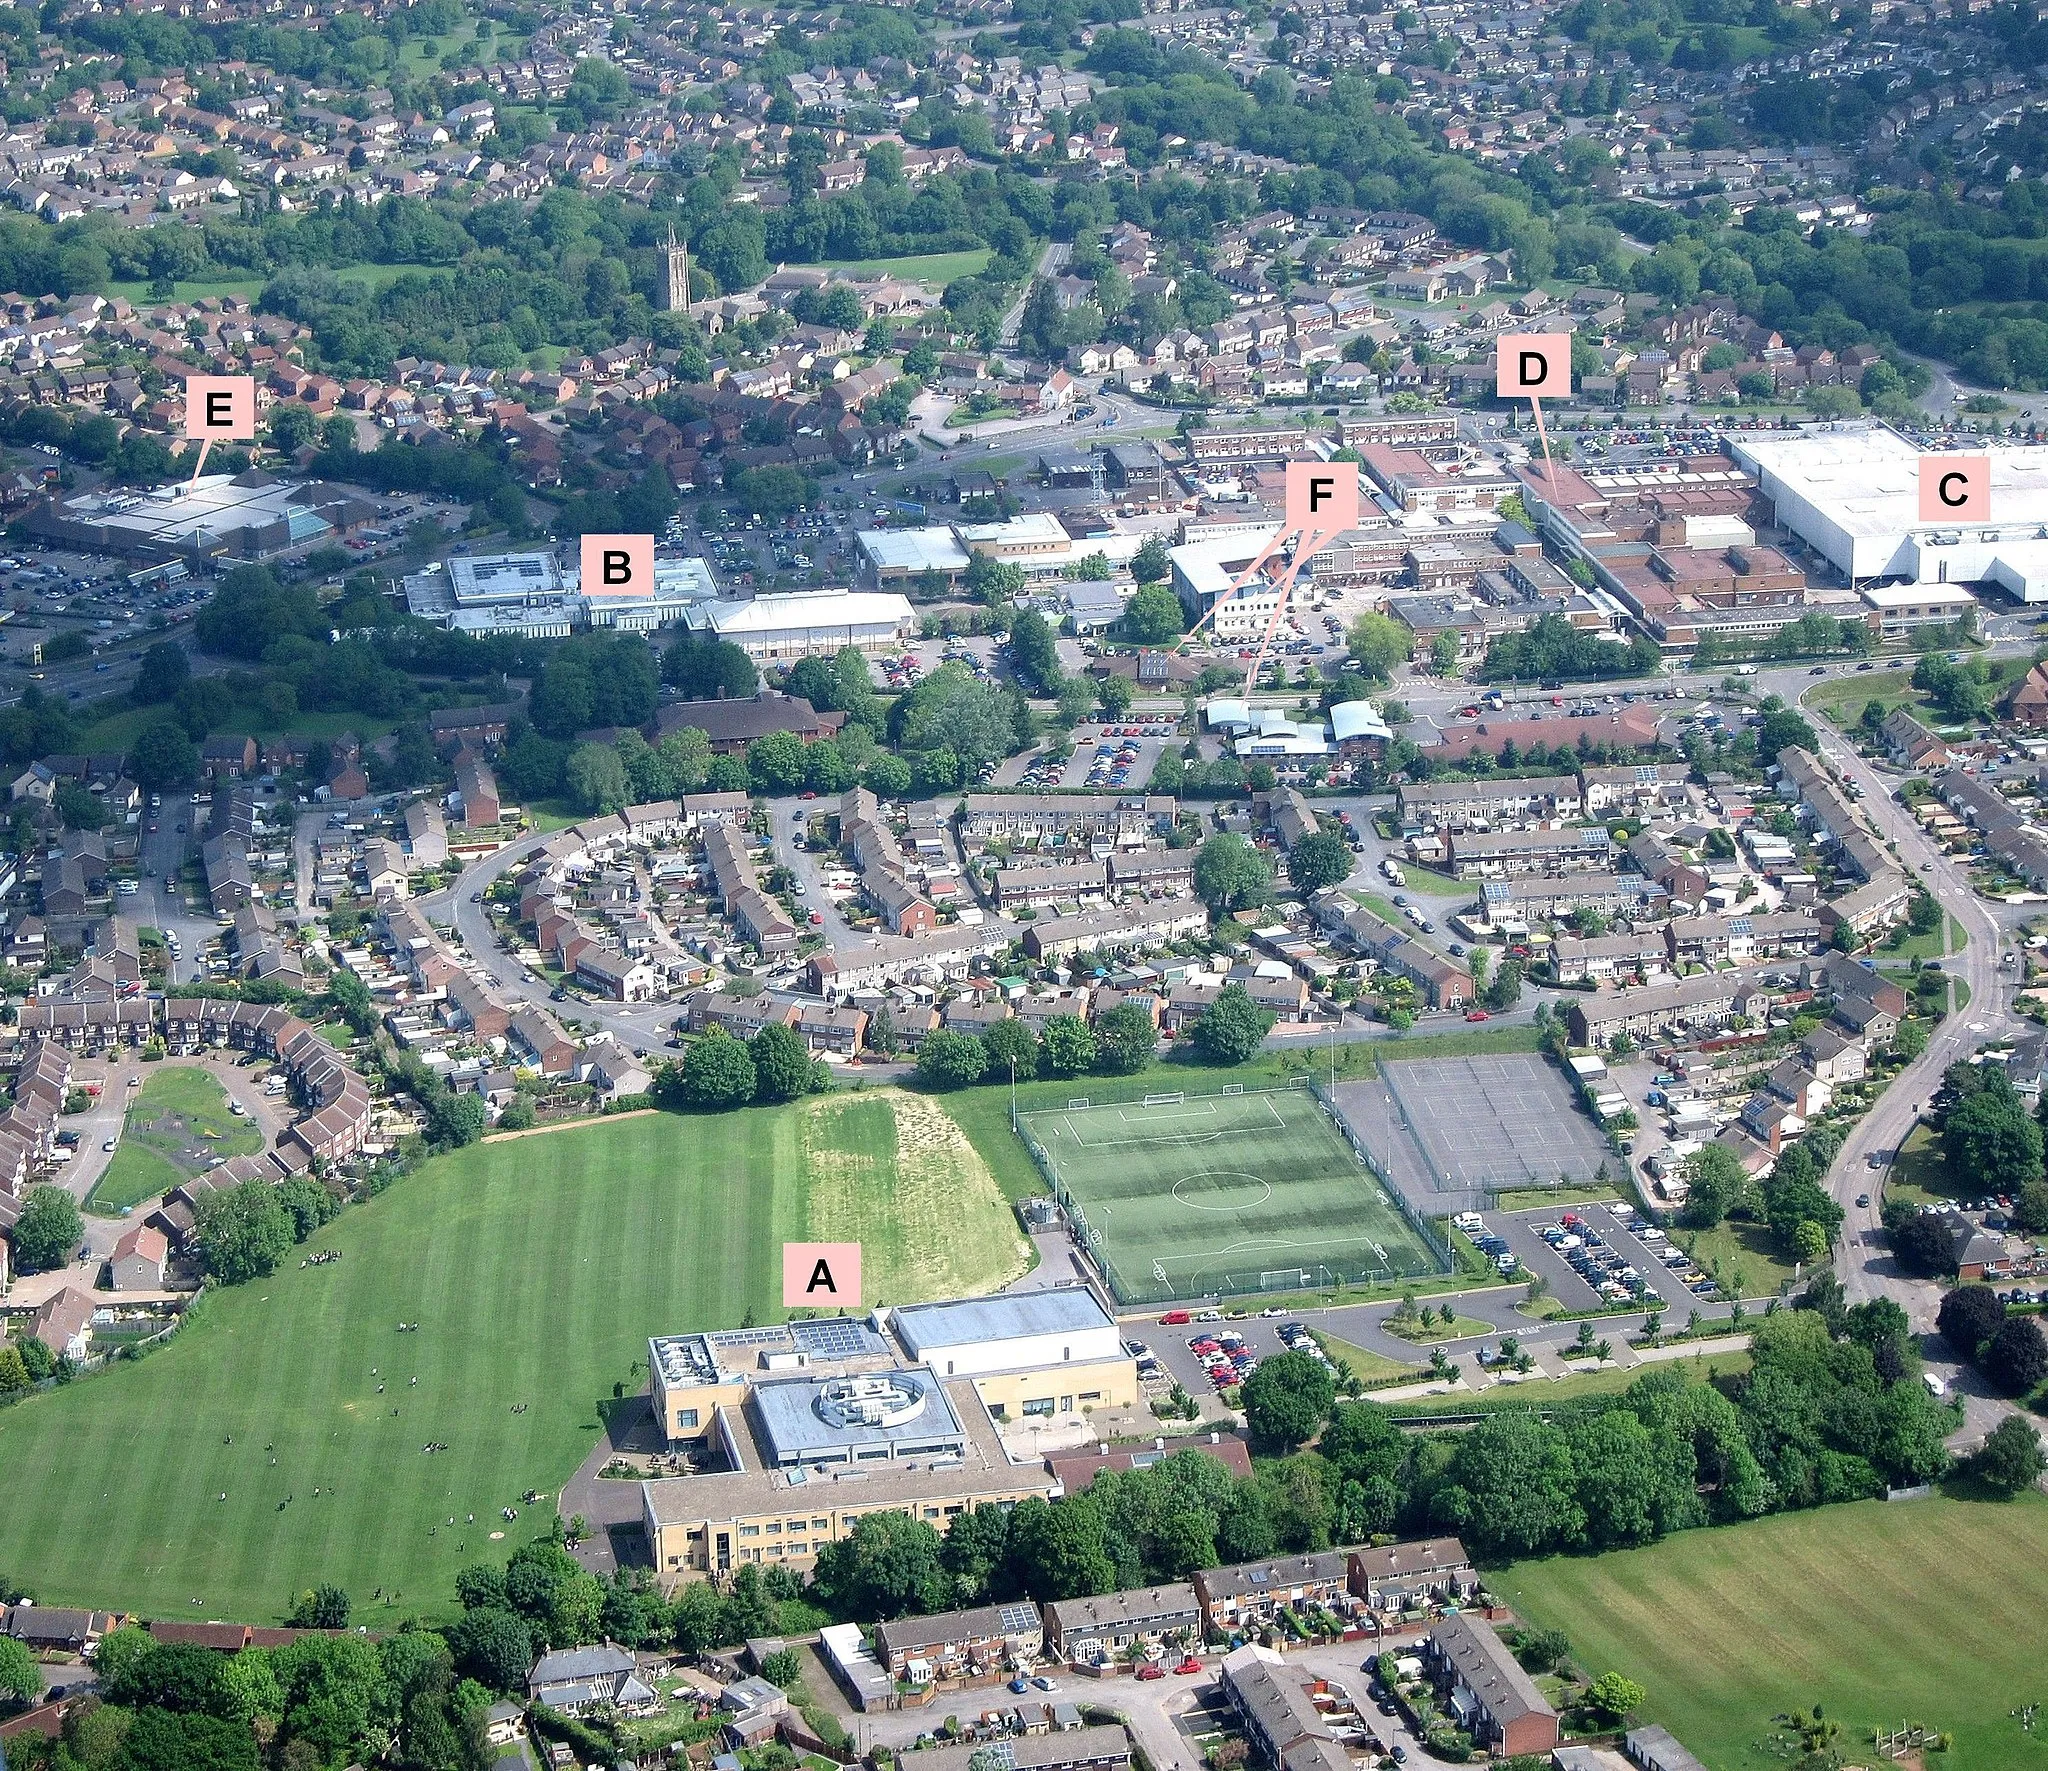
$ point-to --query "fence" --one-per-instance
(1427, 1229)
(1320, 1276)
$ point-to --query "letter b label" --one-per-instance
(618, 565)
(1955, 488)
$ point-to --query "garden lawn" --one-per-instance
(536, 1267)
(1731, 1248)
(1925, 1611)
(177, 1122)
(935, 269)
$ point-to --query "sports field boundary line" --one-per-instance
(581, 1124)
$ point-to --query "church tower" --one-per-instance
(678, 274)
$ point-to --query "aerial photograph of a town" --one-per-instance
(1023, 885)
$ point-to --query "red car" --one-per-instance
(1478, 1014)
(1151, 1672)
(1189, 1666)
(1174, 1319)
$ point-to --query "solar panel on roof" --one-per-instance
(1017, 1619)
(833, 1337)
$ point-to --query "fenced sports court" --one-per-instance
(1186, 1196)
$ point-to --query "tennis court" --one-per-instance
(1206, 1195)
(1450, 1133)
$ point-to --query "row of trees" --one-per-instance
(720, 1072)
(1123, 1041)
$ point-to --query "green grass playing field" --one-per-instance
(1220, 1193)
(536, 1267)
(1926, 1611)
(177, 1120)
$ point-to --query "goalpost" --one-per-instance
(1171, 1100)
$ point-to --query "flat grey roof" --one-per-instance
(791, 1426)
(1060, 1310)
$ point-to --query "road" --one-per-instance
(459, 905)
(1863, 1256)
(1056, 253)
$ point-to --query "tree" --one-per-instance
(1232, 1028)
(782, 1064)
(1125, 1039)
(597, 778)
(164, 671)
(1378, 643)
(47, 1231)
(775, 763)
(1319, 861)
(1992, 1138)
(1809, 1242)
(20, 1677)
(1059, 1552)
(1116, 695)
(718, 1072)
(242, 1232)
(493, 1645)
(324, 1607)
(1286, 1400)
(1715, 1181)
(1969, 1316)
(163, 757)
(1154, 616)
(454, 1120)
(1007, 1044)
(887, 1566)
(1035, 651)
(1511, 1488)
(1151, 564)
(2010, 1460)
(1066, 1047)
(994, 582)
(1230, 874)
(2016, 1358)
(951, 1060)
(1616, 1697)
(1781, 730)
(164, 1740)
(1923, 1244)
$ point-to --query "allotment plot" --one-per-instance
(1186, 1196)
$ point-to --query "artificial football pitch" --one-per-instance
(280, 1438)
(1206, 1195)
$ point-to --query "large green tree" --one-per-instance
(1230, 874)
(886, 1566)
(718, 1072)
(47, 1230)
(1232, 1028)
(1286, 1400)
(242, 1232)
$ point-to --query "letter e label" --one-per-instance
(220, 408)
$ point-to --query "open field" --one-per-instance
(536, 1267)
(1925, 1611)
(935, 268)
(1843, 698)
(177, 1122)
(194, 288)
(1219, 1193)
(1741, 1256)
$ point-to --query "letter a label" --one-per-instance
(821, 1275)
